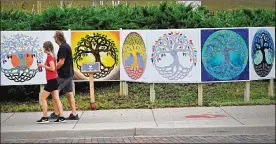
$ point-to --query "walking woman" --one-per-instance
(52, 85)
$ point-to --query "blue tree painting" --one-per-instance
(224, 55)
(262, 52)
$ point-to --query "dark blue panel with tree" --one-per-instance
(224, 54)
(262, 52)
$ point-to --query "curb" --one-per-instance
(139, 132)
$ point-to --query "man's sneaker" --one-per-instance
(53, 116)
(72, 117)
(60, 119)
(43, 120)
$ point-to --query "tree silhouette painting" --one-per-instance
(134, 55)
(225, 54)
(18, 52)
(97, 45)
(262, 52)
(180, 55)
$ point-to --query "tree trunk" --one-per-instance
(79, 76)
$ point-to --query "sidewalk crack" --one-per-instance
(154, 117)
(78, 120)
(231, 116)
(134, 132)
(8, 118)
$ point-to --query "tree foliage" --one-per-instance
(96, 45)
(163, 16)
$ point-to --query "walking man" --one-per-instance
(65, 75)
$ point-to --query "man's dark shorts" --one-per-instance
(65, 84)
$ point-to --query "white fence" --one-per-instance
(149, 56)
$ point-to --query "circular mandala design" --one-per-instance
(99, 46)
(134, 55)
(225, 54)
(180, 50)
(262, 52)
(18, 53)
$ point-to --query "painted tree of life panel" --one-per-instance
(97, 46)
(175, 55)
(262, 53)
(224, 54)
(134, 55)
(20, 53)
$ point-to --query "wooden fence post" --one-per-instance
(271, 88)
(125, 88)
(38, 6)
(61, 4)
(152, 93)
(92, 93)
(199, 94)
(121, 88)
(247, 91)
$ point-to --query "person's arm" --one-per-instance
(50, 61)
(51, 67)
(62, 55)
(60, 62)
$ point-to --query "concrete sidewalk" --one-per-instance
(144, 122)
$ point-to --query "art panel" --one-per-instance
(134, 56)
(224, 54)
(97, 46)
(153, 56)
(20, 53)
(262, 53)
(174, 55)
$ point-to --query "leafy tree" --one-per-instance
(97, 44)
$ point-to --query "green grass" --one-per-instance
(167, 95)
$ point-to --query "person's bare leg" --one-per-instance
(71, 100)
(56, 99)
(55, 106)
(44, 106)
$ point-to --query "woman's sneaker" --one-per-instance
(43, 120)
(60, 119)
